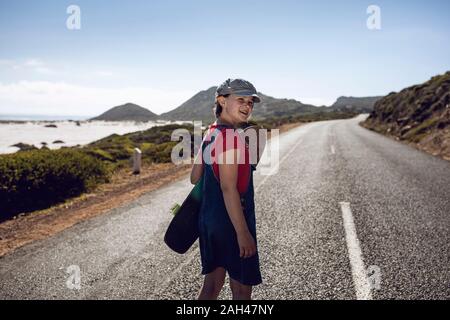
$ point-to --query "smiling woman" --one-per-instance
(227, 226)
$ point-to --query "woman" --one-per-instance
(227, 216)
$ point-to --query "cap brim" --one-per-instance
(243, 93)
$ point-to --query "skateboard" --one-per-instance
(183, 229)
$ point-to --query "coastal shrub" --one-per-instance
(32, 180)
(158, 153)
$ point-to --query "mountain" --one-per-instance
(200, 107)
(274, 107)
(127, 112)
(358, 104)
(419, 114)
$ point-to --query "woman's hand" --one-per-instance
(247, 245)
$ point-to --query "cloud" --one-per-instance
(102, 73)
(33, 63)
(40, 67)
(44, 70)
(60, 98)
(6, 62)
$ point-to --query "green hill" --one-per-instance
(127, 112)
(356, 104)
(419, 114)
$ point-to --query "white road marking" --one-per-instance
(360, 280)
(332, 150)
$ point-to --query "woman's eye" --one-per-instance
(242, 102)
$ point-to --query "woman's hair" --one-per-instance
(218, 108)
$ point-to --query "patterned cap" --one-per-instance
(239, 87)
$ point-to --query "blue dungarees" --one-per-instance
(217, 236)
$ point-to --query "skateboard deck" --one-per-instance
(183, 229)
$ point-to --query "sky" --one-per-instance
(158, 53)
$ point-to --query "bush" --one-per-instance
(158, 153)
(33, 180)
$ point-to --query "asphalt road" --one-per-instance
(389, 241)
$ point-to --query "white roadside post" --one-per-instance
(137, 160)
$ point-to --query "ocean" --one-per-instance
(39, 117)
(69, 132)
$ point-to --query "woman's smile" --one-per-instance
(245, 113)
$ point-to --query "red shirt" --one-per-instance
(223, 142)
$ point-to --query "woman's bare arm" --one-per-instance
(228, 173)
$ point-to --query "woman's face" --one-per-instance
(237, 109)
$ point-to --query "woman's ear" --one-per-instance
(221, 100)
